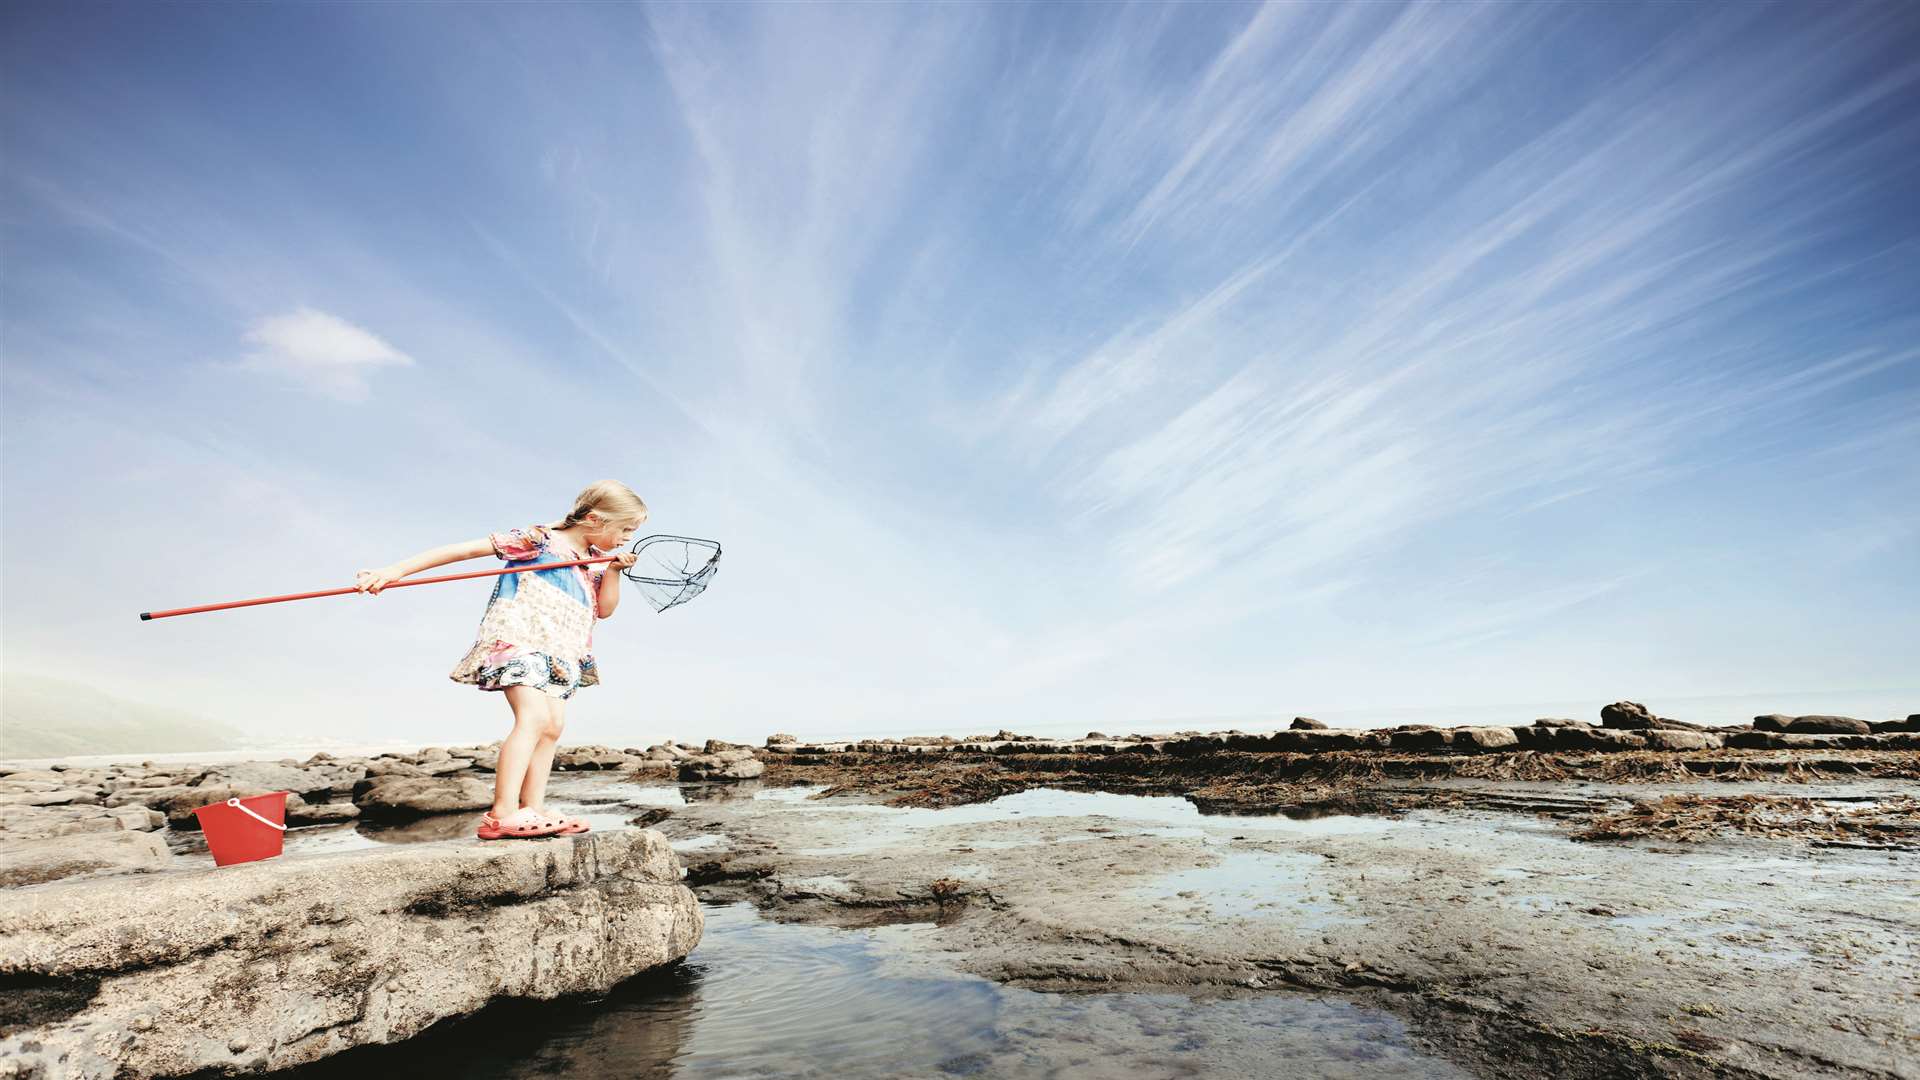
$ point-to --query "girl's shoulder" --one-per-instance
(514, 545)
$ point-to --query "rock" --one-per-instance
(137, 818)
(486, 760)
(1237, 740)
(340, 776)
(1673, 739)
(1532, 738)
(433, 753)
(386, 766)
(1828, 725)
(1484, 738)
(1587, 738)
(1306, 723)
(1298, 742)
(590, 757)
(1803, 741)
(274, 964)
(1196, 744)
(55, 797)
(1776, 740)
(711, 767)
(1626, 715)
(1553, 722)
(302, 812)
(412, 796)
(243, 780)
(152, 797)
(715, 746)
(1771, 722)
(41, 822)
(259, 777)
(1911, 723)
(1633, 716)
(1420, 737)
(649, 767)
(31, 862)
(780, 739)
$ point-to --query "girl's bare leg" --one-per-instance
(533, 792)
(517, 750)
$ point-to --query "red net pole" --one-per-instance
(147, 616)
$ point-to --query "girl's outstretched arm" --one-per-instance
(372, 581)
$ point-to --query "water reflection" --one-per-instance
(777, 1000)
(721, 791)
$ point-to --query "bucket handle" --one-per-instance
(248, 810)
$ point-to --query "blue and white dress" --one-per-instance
(538, 628)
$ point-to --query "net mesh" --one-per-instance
(672, 569)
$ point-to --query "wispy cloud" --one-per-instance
(322, 352)
(1512, 337)
(1041, 361)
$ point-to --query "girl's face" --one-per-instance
(607, 536)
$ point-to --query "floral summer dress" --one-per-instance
(538, 629)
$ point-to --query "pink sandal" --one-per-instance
(571, 826)
(493, 828)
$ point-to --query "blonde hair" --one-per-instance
(614, 501)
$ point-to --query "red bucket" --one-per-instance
(245, 830)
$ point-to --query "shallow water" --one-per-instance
(606, 805)
(1245, 885)
(1147, 815)
(767, 999)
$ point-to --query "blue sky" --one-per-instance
(1051, 366)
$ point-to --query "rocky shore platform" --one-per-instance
(125, 953)
(1637, 897)
(1570, 767)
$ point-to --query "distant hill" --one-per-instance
(42, 717)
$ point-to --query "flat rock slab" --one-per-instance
(1530, 953)
(413, 796)
(274, 964)
(32, 862)
(40, 822)
(730, 765)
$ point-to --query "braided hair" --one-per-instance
(611, 499)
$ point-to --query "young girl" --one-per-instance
(536, 639)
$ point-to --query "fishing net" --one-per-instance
(672, 569)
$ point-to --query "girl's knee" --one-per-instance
(554, 726)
